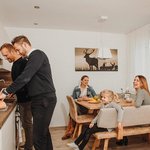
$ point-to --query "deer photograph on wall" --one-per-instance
(94, 59)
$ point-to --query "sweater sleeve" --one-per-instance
(95, 119)
(76, 93)
(119, 110)
(139, 98)
(35, 61)
(92, 91)
(97, 116)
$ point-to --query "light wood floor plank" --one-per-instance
(135, 142)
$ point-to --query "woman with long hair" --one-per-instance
(142, 91)
(140, 85)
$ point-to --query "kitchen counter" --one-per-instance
(7, 127)
(7, 118)
(5, 114)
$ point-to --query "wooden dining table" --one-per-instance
(97, 105)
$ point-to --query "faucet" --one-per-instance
(2, 80)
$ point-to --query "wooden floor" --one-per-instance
(135, 142)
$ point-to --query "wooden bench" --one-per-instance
(136, 121)
(127, 131)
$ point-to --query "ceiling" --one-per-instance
(124, 16)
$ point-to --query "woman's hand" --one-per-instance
(79, 99)
(91, 125)
(83, 98)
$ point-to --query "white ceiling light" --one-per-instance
(104, 52)
(102, 19)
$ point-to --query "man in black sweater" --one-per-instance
(23, 100)
(37, 75)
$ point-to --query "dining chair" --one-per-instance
(79, 119)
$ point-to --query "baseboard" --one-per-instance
(60, 127)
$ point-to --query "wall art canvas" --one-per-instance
(94, 59)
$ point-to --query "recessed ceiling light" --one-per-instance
(35, 23)
(102, 19)
(37, 7)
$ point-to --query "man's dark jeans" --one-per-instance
(42, 108)
(26, 119)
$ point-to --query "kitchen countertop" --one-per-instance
(5, 114)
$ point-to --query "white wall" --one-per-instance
(3, 38)
(3, 35)
(138, 54)
(59, 46)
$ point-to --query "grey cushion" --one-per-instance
(132, 116)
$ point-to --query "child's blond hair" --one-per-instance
(112, 96)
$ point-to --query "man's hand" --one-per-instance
(2, 96)
(2, 104)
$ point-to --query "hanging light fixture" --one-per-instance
(103, 52)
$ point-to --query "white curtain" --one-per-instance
(138, 52)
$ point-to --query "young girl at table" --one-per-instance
(109, 100)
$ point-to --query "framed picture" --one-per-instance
(94, 59)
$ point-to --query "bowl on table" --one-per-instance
(129, 100)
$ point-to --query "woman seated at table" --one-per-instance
(142, 98)
(83, 92)
(142, 91)
(80, 92)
